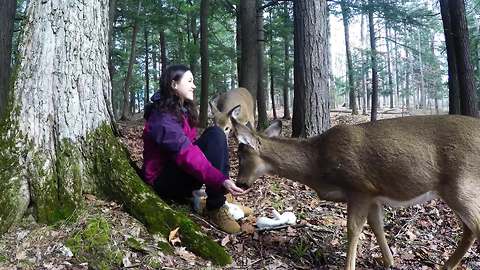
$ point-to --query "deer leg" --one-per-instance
(468, 237)
(375, 220)
(357, 211)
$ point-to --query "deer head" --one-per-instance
(252, 163)
(236, 103)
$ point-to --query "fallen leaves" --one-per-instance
(173, 237)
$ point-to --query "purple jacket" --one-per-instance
(166, 139)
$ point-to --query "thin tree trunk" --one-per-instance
(286, 70)
(147, 74)
(155, 66)
(351, 83)
(364, 81)
(126, 88)
(7, 18)
(272, 79)
(389, 67)
(373, 115)
(311, 108)
(204, 8)
(238, 43)
(407, 79)
(262, 122)
(397, 74)
(423, 96)
(163, 52)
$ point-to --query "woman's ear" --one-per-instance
(174, 85)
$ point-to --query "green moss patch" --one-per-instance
(93, 244)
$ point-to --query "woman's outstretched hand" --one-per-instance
(231, 187)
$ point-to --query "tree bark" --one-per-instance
(311, 108)
(262, 122)
(57, 142)
(466, 77)
(7, 18)
(423, 95)
(363, 59)
(204, 6)
(249, 57)
(351, 83)
(126, 88)
(453, 83)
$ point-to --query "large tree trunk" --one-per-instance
(364, 60)
(351, 83)
(7, 17)
(262, 122)
(249, 58)
(466, 77)
(453, 83)
(311, 107)
(126, 88)
(56, 139)
(204, 62)
(373, 114)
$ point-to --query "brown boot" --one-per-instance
(222, 218)
(247, 210)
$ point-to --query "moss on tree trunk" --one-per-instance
(119, 181)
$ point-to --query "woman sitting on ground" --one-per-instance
(175, 163)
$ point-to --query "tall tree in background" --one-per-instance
(351, 84)
(126, 88)
(249, 58)
(373, 53)
(455, 24)
(286, 69)
(146, 95)
(57, 139)
(7, 18)
(311, 111)
(262, 121)
(204, 62)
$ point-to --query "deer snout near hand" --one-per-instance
(399, 161)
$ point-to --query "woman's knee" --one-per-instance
(216, 134)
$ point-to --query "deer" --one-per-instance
(394, 162)
(238, 103)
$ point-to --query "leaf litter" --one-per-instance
(420, 236)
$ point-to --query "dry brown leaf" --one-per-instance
(248, 228)
(173, 237)
(225, 240)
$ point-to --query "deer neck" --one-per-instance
(289, 158)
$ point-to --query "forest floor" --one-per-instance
(420, 237)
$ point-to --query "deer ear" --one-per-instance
(213, 108)
(244, 134)
(235, 112)
(274, 129)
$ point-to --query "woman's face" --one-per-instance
(185, 86)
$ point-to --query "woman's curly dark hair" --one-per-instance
(167, 100)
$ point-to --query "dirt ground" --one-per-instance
(420, 237)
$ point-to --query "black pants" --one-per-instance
(175, 184)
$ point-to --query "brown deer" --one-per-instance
(238, 103)
(400, 161)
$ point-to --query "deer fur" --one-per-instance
(396, 161)
(238, 103)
